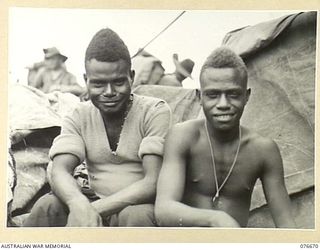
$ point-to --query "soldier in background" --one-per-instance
(53, 76)
(183, 70)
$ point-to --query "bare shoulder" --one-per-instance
(265, 147)
(189, 129)
(186, 133)
(258, 141)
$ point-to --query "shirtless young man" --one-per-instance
(199, 152)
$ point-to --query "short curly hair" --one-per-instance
(107, 46)
(224, 57)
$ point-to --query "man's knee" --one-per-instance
(137, 216)
(49, 203)
(47, 211)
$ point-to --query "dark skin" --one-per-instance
(109, 88)
(186, 184)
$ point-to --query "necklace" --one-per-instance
(125, 116)
(218, 189)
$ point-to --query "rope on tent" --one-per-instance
(154, 38)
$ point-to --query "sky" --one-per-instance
(193, 36)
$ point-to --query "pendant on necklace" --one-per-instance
(215, 198)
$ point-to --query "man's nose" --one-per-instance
(108, 90)
(223, 102)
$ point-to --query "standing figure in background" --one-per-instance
(183, 70)
(54, 75)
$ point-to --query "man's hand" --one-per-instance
(65, 187)
(222, 219)
(140, 192)
(83, 215)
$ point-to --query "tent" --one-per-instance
(280, 56)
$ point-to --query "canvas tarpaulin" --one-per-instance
(184, 103)
(30, 110)
(34, 121)
(282, 79)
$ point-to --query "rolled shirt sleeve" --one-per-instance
(157, 124)
(70, 140)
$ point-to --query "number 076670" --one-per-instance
(308, 246)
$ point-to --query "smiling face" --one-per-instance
(224, 96)
(109, 85)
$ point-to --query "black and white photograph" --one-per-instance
(161, 118)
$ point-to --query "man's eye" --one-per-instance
(96, 85)
(234, 94)
(212, 95)
(119, 82)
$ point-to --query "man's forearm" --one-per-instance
(66, 188)
(286, 222)
(280, 207)
(140, 192)
(175, 214)
(81, 213)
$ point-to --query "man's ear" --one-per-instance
(132, 75)
(248, 94)
(200, 97)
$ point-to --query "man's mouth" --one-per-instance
(224, 117)
(109, 103)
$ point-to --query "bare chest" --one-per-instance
(113, 131)
(234, 183)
